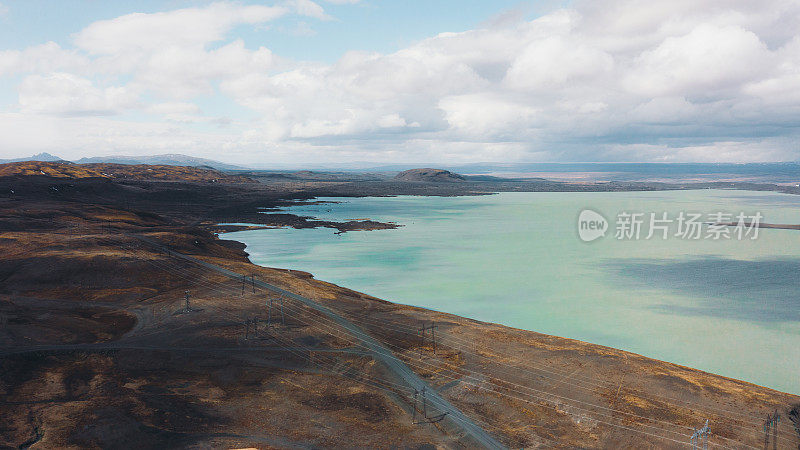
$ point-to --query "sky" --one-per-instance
(341, 82)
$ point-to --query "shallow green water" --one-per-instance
(727, 306)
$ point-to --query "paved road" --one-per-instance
(380, 352)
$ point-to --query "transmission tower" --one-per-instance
(767, 424)
(432, 327)
(425, 418)
(771, 423)
(269, 312)
(699, 439)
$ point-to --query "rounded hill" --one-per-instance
(429, 175)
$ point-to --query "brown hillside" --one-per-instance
(166, 173)
(119, 171)
(52, 169)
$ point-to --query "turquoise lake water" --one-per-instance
(727, 306)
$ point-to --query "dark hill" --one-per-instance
(429, 175)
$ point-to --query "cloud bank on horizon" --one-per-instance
(592, 80)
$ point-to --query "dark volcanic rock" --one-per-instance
(429, 175)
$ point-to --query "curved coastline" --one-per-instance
(442, 307)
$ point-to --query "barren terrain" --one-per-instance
(99, 350)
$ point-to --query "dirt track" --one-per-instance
(396, 368)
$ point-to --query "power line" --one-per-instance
(453, 340)
(501, 380)
(598, 420)
(634, 430)
(560, 375)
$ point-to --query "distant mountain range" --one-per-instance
(172, 159)
(168, 159)
(45, 157)
(775, 172)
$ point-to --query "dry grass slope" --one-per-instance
(139, 172)
(50, 169)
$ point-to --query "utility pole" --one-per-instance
(432, 327)
(776, 418)
(425, 418)
(706, 431)
(187, 301)
(247, 329)
(766, 432)
(414, 408)
(269, 313)
(424, 404)
(433, 336)
(771, 423)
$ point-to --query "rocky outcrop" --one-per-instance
(429, 175)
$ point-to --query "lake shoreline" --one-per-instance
(659, 389)
(408, 215)
(75, 242)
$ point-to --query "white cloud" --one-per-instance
(302, 28)
(602, 79)
(67, 94)
(552, 62)
(184, 72)
(182, 112)
(169, 52)
(665, 110)
(709, 58)
(308, 8)
(46, 57)
(723, 151)
(482, 115)
(391, 121)
(174, 108)
(188, 27)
